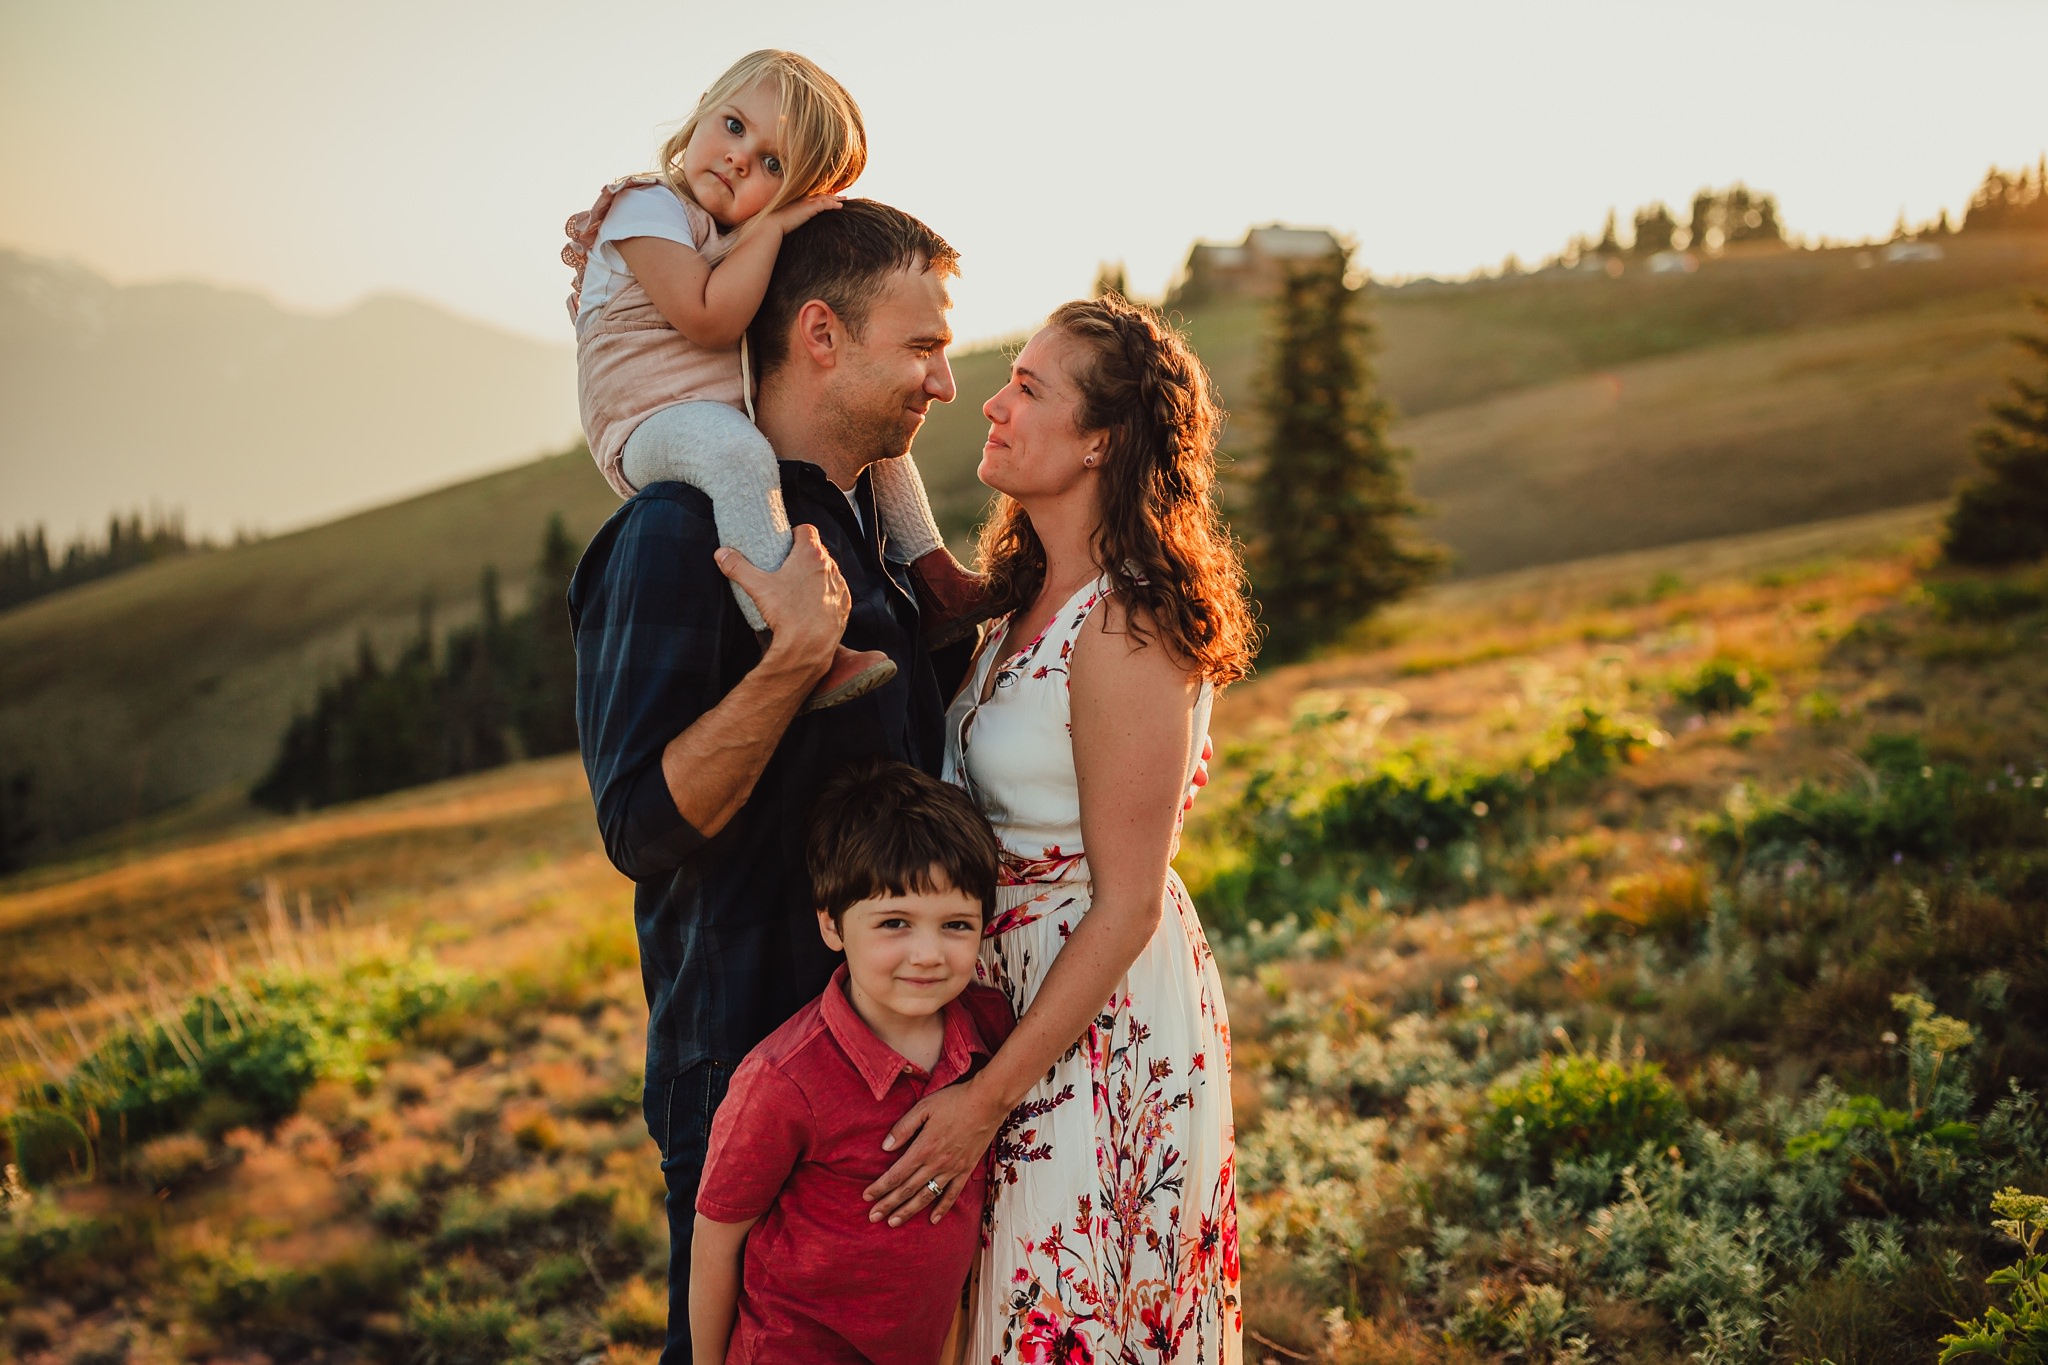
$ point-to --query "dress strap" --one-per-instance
(1065, 626)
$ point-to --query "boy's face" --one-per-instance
(906, 956)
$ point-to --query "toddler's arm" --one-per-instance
(713, 307)
(715, 1252)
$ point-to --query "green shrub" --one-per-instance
(45, 1248)
(471, 1332)
(459, 1313)
(1579, 1106)
(2018, 1333)
(1984, 599)
(1406, 825)
(243, 1052)
(1721, 685)
(1904, 809)
(237, 1290)
(554, 1279)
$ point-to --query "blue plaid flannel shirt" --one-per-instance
(729, 944)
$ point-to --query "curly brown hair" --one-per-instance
(1174, 562)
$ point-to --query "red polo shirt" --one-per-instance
(797, 1139)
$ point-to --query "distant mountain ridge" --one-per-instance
(241, 413)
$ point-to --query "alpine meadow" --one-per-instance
(1628, 865)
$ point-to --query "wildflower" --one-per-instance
(1421, 842)
(1468, 983)
(2018, 1208)
(1287, 860)
(1479, 808)
(1678, 843)
(1897, 857)
(14, 1196)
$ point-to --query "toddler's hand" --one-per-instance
(791, 216)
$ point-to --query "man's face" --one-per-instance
(876, 397)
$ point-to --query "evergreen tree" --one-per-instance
(1110, 279)
(544, 705)
(1655, 230)
(2001, 515)
(1331, 541)
(2009, 201)
(17, 827)
(501, 688)
(1610, 243)
(29, 569)
(1702, 235)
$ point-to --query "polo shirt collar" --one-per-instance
(879, 1064)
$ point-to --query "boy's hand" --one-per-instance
(792, 216)
(953, 1129)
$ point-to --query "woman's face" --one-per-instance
(1035, 449)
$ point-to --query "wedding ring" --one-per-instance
(935, 1187)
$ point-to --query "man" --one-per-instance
(700, 763)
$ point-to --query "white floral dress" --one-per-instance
(1111, 1228)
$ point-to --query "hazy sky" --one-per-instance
(321, 151)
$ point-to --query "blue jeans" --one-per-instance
(679, 1110)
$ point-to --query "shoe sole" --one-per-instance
(859, 685)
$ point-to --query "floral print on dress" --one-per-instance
(1110, 1233)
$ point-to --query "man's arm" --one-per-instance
(670, 752)
(715, 1257)
(712, 766)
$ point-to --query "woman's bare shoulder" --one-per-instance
(1133, 647)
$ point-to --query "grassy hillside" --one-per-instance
(129, 696)
(1638, 962)
(1554, 417)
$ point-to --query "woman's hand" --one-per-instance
(952, 1129)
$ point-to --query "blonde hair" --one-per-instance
(819, 133)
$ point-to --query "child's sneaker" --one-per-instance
(854, 673)
(954, 601)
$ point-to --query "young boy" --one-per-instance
(903, 869)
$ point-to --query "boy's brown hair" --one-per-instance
(881, 828)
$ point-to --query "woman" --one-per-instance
(1112, 1232)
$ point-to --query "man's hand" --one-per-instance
(805, 602)
(953, 1129)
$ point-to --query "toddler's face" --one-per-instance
(732, 164)
(906, 956)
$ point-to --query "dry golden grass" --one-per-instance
(500, 1138)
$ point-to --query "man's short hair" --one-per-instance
(882, 828)
(841, 256)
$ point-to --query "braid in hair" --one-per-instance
(1162, 539)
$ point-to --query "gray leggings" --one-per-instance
(714, 448)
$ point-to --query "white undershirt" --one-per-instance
(643, 211)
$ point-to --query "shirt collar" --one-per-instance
(879, 1064)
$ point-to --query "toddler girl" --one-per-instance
(662, 375)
